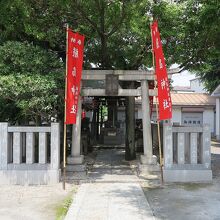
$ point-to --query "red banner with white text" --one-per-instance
(74, 73)
(165, 104)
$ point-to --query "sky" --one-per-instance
(183, 78)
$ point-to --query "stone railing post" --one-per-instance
(206, 145)
(42, 148)
(30, 147)
(55, 146)
(3, 146)
(181, 148)
(193, 148)
(168, 145)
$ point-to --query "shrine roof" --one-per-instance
(188, 99)
(199, 99)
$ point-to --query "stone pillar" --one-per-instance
(148, 157)
(17, 151)
(76, 158)
(217, 118)
(206, 146)
(193, 148)
(168, 145)
(42, 148)
(55, 146)
(4, 146)
(180, 146)
(76, 132)
(30, 147)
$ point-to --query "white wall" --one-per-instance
(208, 118)
(217, 118)
(176, 115)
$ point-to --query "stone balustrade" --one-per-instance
(29, 155)
(187, 156)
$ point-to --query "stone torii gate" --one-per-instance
(148, 160)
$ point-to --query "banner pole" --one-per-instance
(158, 122)
(64, 130)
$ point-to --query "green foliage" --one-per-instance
(32, 44)
(33, 95)
(30, 81)
(20, 58)
(201, 43)
(192, 38)
(210, 75)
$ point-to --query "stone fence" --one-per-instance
(29, 155)
(187, 156)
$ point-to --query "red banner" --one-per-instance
(165, 104)
(74, 73)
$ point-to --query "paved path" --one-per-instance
(114, 193)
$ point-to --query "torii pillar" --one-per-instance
(76, 159)
(148, 160)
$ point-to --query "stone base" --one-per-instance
(148, 165)
(76, 176)
(75, 160)
(148, 169)
(187, 176)
(75, 168)
(148, 161)
(29, 177)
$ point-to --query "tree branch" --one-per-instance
(184, 65)
(122, 17)
(85, 17)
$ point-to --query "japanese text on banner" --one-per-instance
(165, 104)
(74, 73)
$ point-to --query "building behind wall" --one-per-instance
(191, 106)
(216, 95)
(191, 109)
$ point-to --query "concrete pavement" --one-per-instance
(189, 201)
(114, 192)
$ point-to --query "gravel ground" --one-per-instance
(31, 202)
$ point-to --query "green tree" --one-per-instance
(195, 45)
(117, 37)
(30, 82)
(117, 32)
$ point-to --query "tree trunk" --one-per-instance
(97, 123)
(130, 153)
(93, 127)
